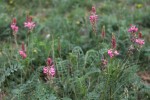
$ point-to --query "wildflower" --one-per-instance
(22, 52)
(49, 61)
(113, 42)
(113, 52)
(93, 11)
(110, 53)
(103, 32)
(140, 41)
(13, 26)
(49, 70)
(52, 71)
(116, 52)
(139, 35)
(45, 70)
(29, 23)
(93, 19)
(133, 29)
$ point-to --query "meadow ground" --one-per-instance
(74, 50)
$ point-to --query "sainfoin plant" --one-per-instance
(38, 70)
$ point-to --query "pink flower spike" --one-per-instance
(49, 61)
(14, 21)
(22, 54)
(14, 28)
(29, 23)
(93, 11)
(113, 42)
(133, 29)
(103, 32)
(49, 70)
(110, 53)
(93, 17)
(140, 41)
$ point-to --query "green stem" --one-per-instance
(15, 39)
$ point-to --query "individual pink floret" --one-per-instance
(116, 52)
(22, 54)
(45, 70)
(29, 25)
(140, 41)
(110, 53)
(133, 29)
(14, 28)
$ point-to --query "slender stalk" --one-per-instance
(53, 49)
(15, 39)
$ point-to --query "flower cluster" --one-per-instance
(138, 40)
(93, 18)
(49, 70)
(29, 23)
(22, 52)
(14, 26)
(113, 52)
(133, 29)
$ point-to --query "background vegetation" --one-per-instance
(64, 33)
